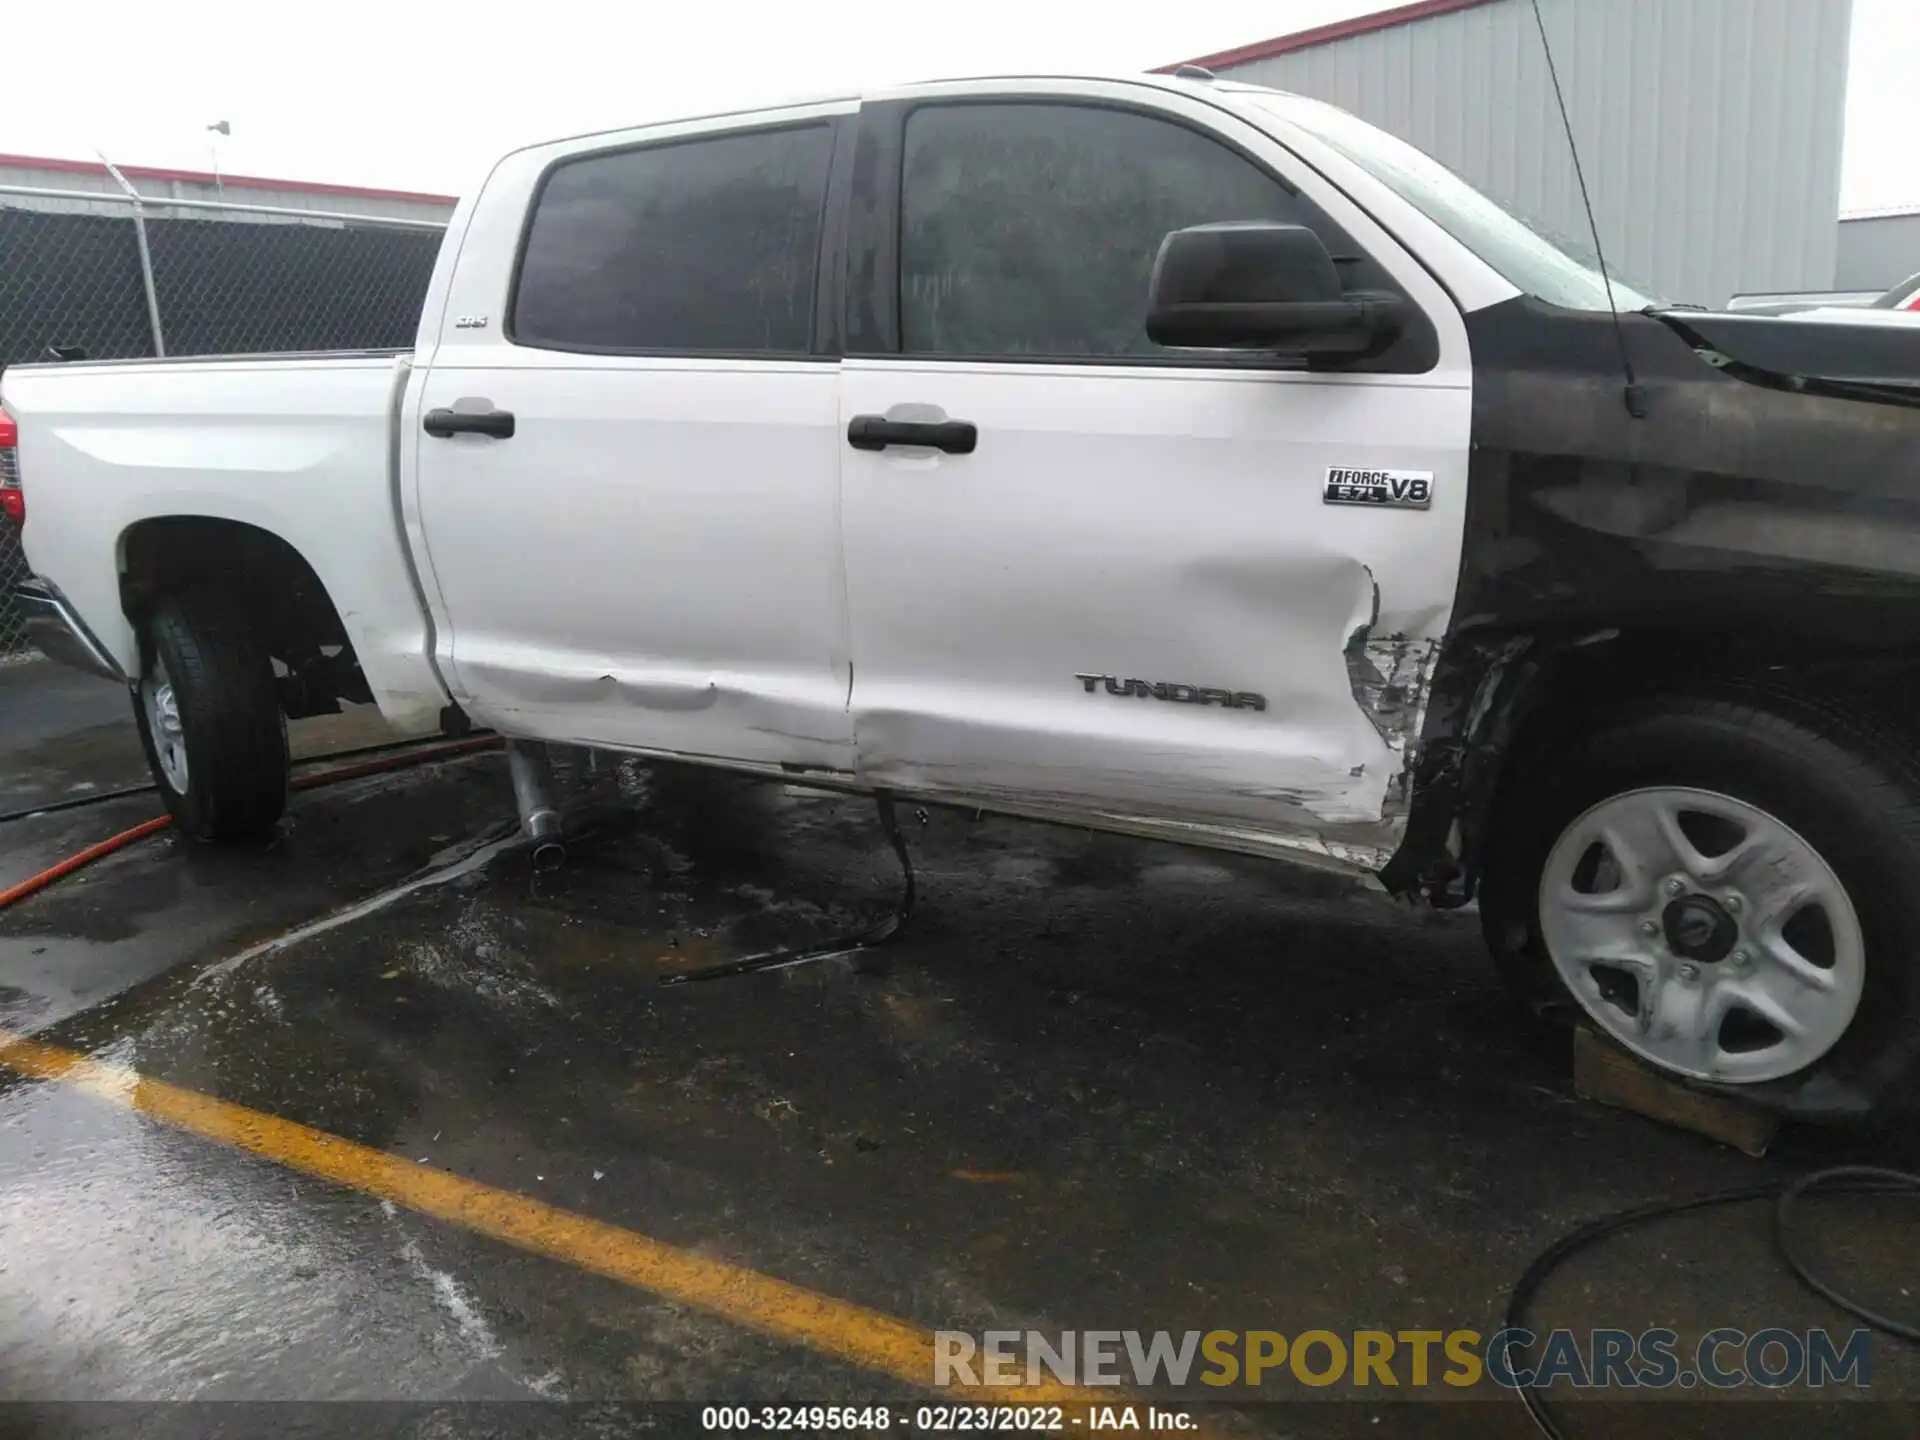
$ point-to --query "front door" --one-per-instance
(1131, 595)
(650, 558)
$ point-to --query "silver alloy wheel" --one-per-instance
(1702, 934)
(163, 723)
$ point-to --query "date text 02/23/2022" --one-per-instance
(944, 1419)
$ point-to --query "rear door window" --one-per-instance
(709, 245)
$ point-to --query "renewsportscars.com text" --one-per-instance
(1653, 1359)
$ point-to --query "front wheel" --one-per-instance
(210, 720)
(1731, 892)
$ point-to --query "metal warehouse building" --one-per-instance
(1709, 130)
(1878, 249)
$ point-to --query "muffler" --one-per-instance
(540, 819)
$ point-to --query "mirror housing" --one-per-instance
(1262, 285)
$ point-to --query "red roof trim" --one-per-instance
(1326, 34)
(203, 177)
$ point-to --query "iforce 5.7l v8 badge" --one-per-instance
(1407, 489)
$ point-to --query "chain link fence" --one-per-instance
(113, 278)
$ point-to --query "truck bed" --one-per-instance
(299, 445)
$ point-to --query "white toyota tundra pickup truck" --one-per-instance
(1162, 455)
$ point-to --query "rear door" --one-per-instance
(1138, 595)
(627, 448)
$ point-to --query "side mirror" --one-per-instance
(1260, 285)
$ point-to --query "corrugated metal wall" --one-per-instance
(1877, 252)
(1710, 129)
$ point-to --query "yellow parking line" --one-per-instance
(838, 1328)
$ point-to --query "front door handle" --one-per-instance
(876, 432)
(443, 423)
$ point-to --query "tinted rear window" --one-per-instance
(697, 246)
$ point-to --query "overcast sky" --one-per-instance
(423, 94)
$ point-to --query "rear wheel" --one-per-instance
(210, 720)
(1727, 890)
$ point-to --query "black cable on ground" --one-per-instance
(1841, 1180)
(438, 737)
(80, 802)
(1786, 1195)
(879, 934)
(312, 780)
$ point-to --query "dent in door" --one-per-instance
(1265, 775)
(589, 699)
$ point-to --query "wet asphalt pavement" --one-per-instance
(1097, 1083)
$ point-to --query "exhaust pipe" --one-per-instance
(533, 796)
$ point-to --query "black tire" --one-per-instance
(1850, 792)
(231, 727)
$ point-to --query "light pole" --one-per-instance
(219, 127)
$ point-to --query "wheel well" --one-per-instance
(271, 584)
(1504, 702)
(1869, 690)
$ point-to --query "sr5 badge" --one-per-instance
(1407, 489)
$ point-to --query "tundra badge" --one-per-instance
(1407, 489)
(1181, 694)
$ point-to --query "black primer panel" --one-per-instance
(1740, 521)
(1730, 502)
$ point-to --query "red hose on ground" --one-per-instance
(36, 883)
(86, 857)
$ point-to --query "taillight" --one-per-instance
(13, 500)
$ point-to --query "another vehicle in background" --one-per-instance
(1904, 296)
(1788, 302)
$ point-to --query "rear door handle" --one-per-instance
(443, 423)
(876, 432)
